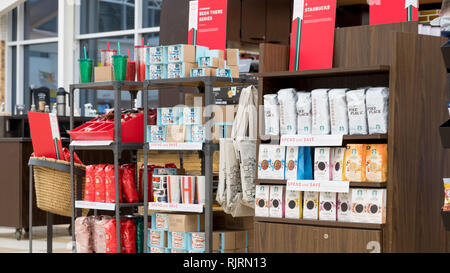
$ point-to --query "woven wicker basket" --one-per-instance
(53, 188)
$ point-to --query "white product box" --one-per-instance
(188, 189)
(293, 205)
(262, 197)
(168, 116)
(344, 201)
(278, 157)
(322, 163)
(311, 205)
(291, 167)
(327, 208)
(264, 164)
(337, 163)
(158, 238)
(276, 207)
(376, 206)
(158, 54)
(197, 241)
(192, 115)
(359, 204)
(158, 71)
(157, 250)
(178, 240)
(160, 221)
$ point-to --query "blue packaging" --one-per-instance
(156, 71)
(168, 116)
(181, 53)
(164, 171)
(156, 133)
(160, 221)
(195, 133)
(157, 55)
(157, 238)
(191, 116)
(305, 169)
(196, 241)
(178, 240)
(201, 51)
(152, 249)
(223, 72)
(179, 70)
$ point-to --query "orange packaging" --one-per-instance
(376, 162)
(355, 159)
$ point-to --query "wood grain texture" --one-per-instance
(273, 57)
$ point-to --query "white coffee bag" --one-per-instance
(377, 110)
(357, 114)
(287, 98)
(304, 118)
(338, 111)
(320, 112)
(271, 115)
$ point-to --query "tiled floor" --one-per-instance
(62, 241)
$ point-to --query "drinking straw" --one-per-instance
(85, 53)
(143, 41)
(118, 46)
(108, 45)
(129, 54)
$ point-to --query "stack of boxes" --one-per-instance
(230, 241)
(182, 61)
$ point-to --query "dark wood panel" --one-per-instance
(10, 192)
(341, 240)
(278, 21)
(273, 57)
(253, 21)
(234, 20)
(174, 22)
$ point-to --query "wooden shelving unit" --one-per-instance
(411, 65)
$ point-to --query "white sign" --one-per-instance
(88, 143)
(311, 140)
(94, 205)
(176, 146)
(318, 186)
(175, 207)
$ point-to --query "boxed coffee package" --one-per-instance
(337, 163)
(170, 250)
(158, 238)
(276, 207)
(158, 71)
(355, 158)
(201, 51)
(157, 54)
(357, 114)
(178, 240)
(168, 116)
(195, 133)
(211, 62)
(222, 72)
(376, 206)
(157, 133)
(264, 163)
(322, 163)
(277, 158)
(338, 111)
(359, 205)
(344, 201)
(201, 72)
(310, 205)
(191, 115)
(187, 222)
(327, 207)
(232, 56)
(223, 113)
(262, 201)
(196, 241)
(227, 95)
(234, 71)
(217, 53)
(157, 250)
(320, 112)
(293, 205)
(376, 162)
(179, 70)
(377, 110)
(290, 172)
(159, 186)
(181, 53)
(160, 221)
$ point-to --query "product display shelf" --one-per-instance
(352, 184)
(104, 206)
(116, 147)
(204, 85)
(320, 223)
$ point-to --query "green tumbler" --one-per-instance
(120, 67)
(86, 66)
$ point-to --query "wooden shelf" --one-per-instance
(319, 223)
(342, 71)
(352, 184)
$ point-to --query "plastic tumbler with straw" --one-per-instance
(106, 55)
(139, 56)
(120, 66)
(131, 69)
(86, 67)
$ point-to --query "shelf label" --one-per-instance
(318, 186)
(87, 143)
(311, 140)
(175, 207)
(176, 146)
(94, 205)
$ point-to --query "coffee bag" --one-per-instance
(357, 114)
(338, 111)
(304, 117)
(377, 110)
(320, 112)
(288, 112)
(271, 115)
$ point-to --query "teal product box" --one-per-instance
(196, 241)
(179, 70)
(156, 250)
(195, 133)
(157, 55)
(206, 62)
(156, 133)
(157, 71)
(200, 72)
(164, 171)
(168, 116)
(201, 51)
(215, 53)
(223, 72)
(181, 53)
(191, 116)
(160, 221)
(178, 240)
(157, 238)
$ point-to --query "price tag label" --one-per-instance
(318, 186)
(175, 207)
(311, 140)
(176, 146)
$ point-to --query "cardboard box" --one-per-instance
(262, 201)
(376, 206)
(322, 163)
(344, 201)
(201, 51)
(160, 221)
(181, 53)
(234, 71)
(232, 56)
(157, 238)
(201, 72)
(359, 204)
(176, 133)
(311, 205)
(195, 133)
(327, 207)
(217, 53)
(291, 169)
(178, 240)
(157, 133)
(227, 240)
(293, 205)
(216, 240)
(211, 62)
(227, 95)
(337, 163)
(157, 55)
(194, 100)
(103, 74)
(179, 70)
(187, 222)
(277, 199)
(168, 116)
(355, 159)
(157, 71)
(223, 113)
(222, 72)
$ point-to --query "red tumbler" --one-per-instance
(131, 71)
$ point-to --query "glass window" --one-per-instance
(41, 19)
(14, 25)
(152, 12)
(13, 79)
(41, 70)
(106, 15)
(152, 38)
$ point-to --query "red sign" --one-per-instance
(212, 23)
(312, 36)
(393, 11)
(45, 136)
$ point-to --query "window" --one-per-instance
(152, 12)
(41, 19)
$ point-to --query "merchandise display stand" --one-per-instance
(204, 85)
(117, 147)
(52, 165)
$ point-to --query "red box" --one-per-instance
(132, 130)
